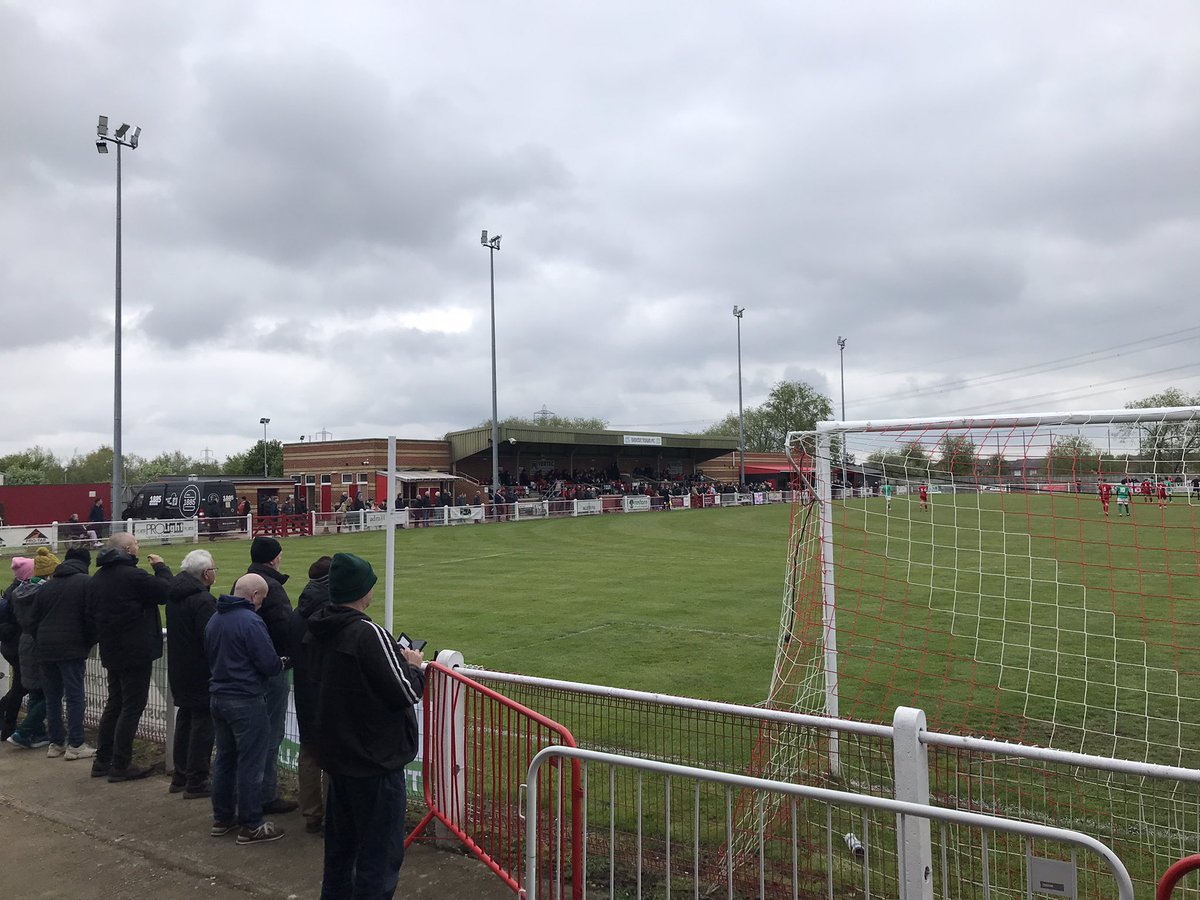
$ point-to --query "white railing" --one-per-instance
(913, 882)
(1146, 811)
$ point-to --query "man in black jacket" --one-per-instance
(63, 636)
(366, 733)
(189, 607)
(315, 596)
(124, 601)
(277, 614)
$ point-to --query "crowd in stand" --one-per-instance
(228, 665)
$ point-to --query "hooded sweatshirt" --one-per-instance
(189, 607)
(365, 692)
(241, 656)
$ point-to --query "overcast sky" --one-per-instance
(997, 204)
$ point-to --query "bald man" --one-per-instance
(123, 600)
(242, 659)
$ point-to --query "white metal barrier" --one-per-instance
(1042, 874)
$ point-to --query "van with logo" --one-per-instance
(184, 498)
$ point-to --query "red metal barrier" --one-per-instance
(281, 526)
(478, 745)
(1173, 875)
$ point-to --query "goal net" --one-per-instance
(1031, 578)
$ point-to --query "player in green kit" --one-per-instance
(1123, 498)
(887, 495)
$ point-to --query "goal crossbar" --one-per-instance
(1026, 420)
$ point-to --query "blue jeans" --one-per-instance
(240, 726)
(364, 837)
(278, 688)
(33, 726)
(63, 679)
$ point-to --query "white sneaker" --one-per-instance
(83, 751)
(54, 751)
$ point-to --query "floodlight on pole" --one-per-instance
(493, 244)
(741, 421)
(103, 139)
(264, 422)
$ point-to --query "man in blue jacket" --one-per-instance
(241, 658)
(365, 733)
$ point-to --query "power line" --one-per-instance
(1042, 368)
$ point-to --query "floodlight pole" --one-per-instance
(103, 139)
(741, 420)
(264, 422)
(842, 366)
(493, 244)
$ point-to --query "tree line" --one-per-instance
(957, 454)
(38, 465)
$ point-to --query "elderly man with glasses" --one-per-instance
(190, 605)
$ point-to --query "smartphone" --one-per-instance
(410, 643)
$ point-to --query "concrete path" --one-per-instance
(66, 834)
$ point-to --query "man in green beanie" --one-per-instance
(366, 733)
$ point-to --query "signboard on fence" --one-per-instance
(532, 509)
(166, 529)
(461, 515)
(636, 503)
(27, 536)
(589, 507)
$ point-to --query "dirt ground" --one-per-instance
(65, 834)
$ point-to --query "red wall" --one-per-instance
(41, 504)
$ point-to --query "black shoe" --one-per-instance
(220, 829)
(263, 834)
(314, 826)
(279, 807)
(99, 770)
(176, 788)
(197, 793)
(132, 773)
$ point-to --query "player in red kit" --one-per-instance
(923, 493)
(1162, 494)
(1146, 490)
(1105, 495)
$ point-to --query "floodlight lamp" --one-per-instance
(102, 126)
(264, 421)
(121, 131)
(841, 342)
(101, 146)
(133, 138)
(483, 238)
(738, 312)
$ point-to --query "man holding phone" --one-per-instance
(367, 686)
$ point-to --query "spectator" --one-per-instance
(63, 636)
(242, 659)
(97, 517)
(366, 730)
(75, 535)
(315, 596)
(31, 733)
(124, 601)
(190, 605)
(10, 640)
(266, 555)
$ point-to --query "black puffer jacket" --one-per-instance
(314, 596)
(62, 627)
(189, 607)
(10, 631)
(276, 610)
(124, 601)
(365, 693)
